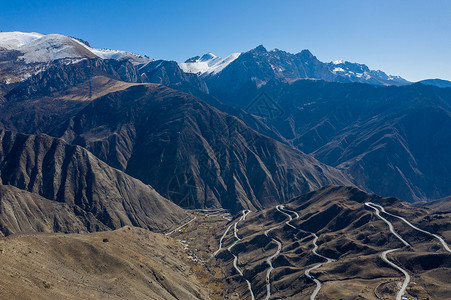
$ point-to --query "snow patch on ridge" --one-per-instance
(208, 64)
(16, 39)
(338, 62)
(52, 47)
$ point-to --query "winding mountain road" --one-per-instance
(314, 250)
(406, 275)
(235, 257)
(290, 218)
(222, 239)
(402, 291)
(439, 238)
(307, 272)
(390, 225)
(271, 258)
(268, 272)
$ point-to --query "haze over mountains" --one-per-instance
(95, 139)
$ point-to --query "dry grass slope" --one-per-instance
(128, 263)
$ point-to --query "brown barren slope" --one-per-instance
(63, 173)
(129, 263)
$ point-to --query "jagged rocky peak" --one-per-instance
(192, 59)
(260, 49)
(305, 54)
(81, 40)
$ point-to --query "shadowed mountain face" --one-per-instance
(39, 103)
(40, 114)
(60, 76)
(376, 134)
(168, 73)
(192, 153)
(99, 196)
(393, 140)
(165, 138)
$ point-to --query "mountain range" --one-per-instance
(282, 160)
(261, 65)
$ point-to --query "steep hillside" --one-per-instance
(41, 113)
(393, 140)
(192, 153)
(25, 212)
(70, 175)
(169, 73)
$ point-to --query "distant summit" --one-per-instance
(263, 65)
(436, 82)
(207, 64)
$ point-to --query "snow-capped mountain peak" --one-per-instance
(208, 57)
(207, 64)
(52, 47)
(40, 48)
(16, 39)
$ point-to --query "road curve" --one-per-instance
(406, 275)
(271, 258)
(384, 254)
(222, 239)
(390, 225)
(181, 226)
(268, 272)
(290, 218)
(318, 283)
(307, 272)
(283, 210)
(291, 211)
(235, 257)
(242, 218)
(440, 239)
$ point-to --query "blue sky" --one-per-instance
(407, 38)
